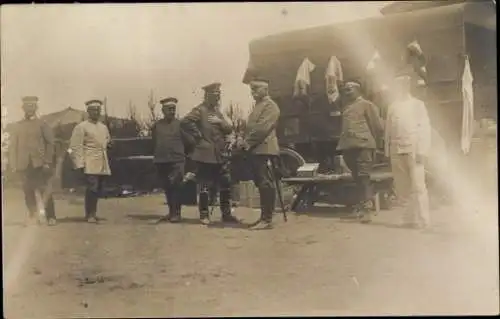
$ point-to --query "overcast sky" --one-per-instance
(67, 54)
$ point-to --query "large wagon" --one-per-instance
(309, 129)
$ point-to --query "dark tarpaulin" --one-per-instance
(439, 31)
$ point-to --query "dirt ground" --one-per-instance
(315, 264)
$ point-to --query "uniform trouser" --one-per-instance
(35, 179)
(209, 176)
(409, 182)
(264, 180)
(93, 190)
(360, 162)
(171, 175)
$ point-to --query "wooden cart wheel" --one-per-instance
(291, 161)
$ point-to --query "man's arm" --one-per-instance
(374, 122)
(190, 124)
(13, 151)
(387, 131)
(76, 146)
(423, 130)
(265, 123)
(225, 127)
(48, 136)
(153, 138)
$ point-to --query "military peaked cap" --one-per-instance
(30, 99)
(169, 101)
(259, 82)
(94, 103)
(212, 87)
(352, 83)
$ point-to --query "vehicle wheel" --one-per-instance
(291, 161)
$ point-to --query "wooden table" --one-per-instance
(381, 180)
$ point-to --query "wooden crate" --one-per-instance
(249, 195)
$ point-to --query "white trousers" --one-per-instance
(410, 187)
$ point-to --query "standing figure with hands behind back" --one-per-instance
(362, 131)
(89, 151)
(31, 153)
(407, 143)
(169, 156)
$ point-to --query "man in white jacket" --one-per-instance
(407, 143)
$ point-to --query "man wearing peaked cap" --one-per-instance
(168, 141)
(259, 82)
(31, 153)
(361, 135)
(30, 100)
(207, 126)
(94, 104)
(169, 101)
(261, 143)
(407, 144)
(212, 87)
(89, 151)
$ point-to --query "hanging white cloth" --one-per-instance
(468, 108)
(376, 76)
(333, 75)
(374, 62)
(303, 79)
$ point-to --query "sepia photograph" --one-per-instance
(249, 159)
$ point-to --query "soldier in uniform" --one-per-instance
(261, 143)
(89, 150)
(362, 131)
(31, 153)
(208, 128)
(169, 156)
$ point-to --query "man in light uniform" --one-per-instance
(89, 150)
(261, 143)
(407, 142)
(31, 153)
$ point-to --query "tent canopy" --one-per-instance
(66, 116)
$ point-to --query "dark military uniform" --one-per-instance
(31, 152)
(169, 157)
(262, 144)
(361, 130)
(209, 154)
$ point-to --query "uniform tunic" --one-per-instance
(408, 134)
(88, 146)
(210, 139)
(361, 126)
(31, 143)
(260, 132)
(168, 141)
(32, 147)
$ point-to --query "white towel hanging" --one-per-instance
(303, 78)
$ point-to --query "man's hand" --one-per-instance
(213, 119)
(242, 145)
(420, 159)
(46, 168)
(110, 145)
